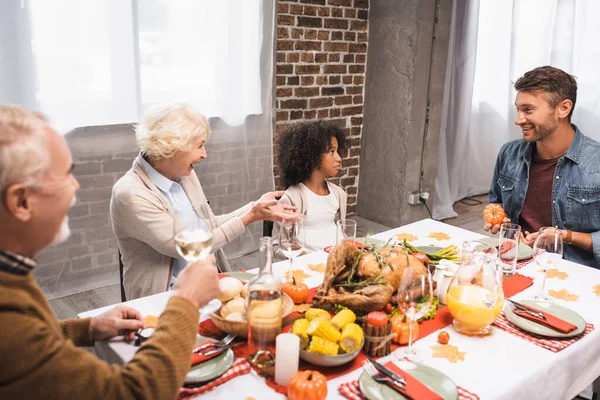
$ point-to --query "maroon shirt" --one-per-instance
(537, 208)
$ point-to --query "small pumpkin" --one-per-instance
(308, 385)
(298, 291)
(494, 214)
(401, 327)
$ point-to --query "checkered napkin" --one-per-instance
(554, 345)
(351, 390)
(239, 367)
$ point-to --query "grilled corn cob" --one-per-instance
(352, 337)
(341, 319)
(313, 313)
(322, 346)
(324, 330)
(300, 328)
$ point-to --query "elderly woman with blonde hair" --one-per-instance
(162, 189)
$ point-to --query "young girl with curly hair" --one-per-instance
(309, 153)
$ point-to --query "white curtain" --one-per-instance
(494, 43)
(100, 62)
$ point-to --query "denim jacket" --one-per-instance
(575, 192)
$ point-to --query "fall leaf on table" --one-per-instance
(448, 352)
(596, 290)
(301, 308)
(299, 275)
(406, 236)
(317, 267)
(439, 236)
(563, 294)
(554, 273)
(150, 321)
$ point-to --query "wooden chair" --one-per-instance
(123, 299)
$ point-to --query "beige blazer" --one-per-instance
(143, 219)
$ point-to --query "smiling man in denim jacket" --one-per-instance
(552, 176)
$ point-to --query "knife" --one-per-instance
(218, 350)
(528, 309)
(386, 371)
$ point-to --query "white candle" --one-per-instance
(287, 354)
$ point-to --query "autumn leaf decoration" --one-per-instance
(563, 294)
(448, 352)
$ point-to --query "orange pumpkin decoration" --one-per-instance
(308, 385)
(401, 327)
(494, 214)
(297, 291)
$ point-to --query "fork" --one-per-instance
(380, 378)
(516, 306)
(223, 342)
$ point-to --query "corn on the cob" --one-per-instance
(313, 313)
(341, 319)
(300, 328)
(352, 337)
(322, 346)
(324, 330)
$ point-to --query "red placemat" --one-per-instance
(239, 367)
(351, 390)
(511, 286)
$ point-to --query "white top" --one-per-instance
(319, 221)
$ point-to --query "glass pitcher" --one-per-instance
(475, 296)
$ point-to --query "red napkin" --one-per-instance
(551, 321)
(414, 389)
(198, 358)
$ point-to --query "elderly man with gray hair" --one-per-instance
(39, 356)
(161, 191)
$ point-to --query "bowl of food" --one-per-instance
(327, 341)
(231, 317)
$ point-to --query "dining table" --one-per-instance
(501, 365)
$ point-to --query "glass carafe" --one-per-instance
(265, 309)
(475, 296)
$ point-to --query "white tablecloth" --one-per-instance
(499, 366)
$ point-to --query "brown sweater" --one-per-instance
(39, 357)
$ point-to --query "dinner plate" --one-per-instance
(525, 251)
(551, 308)
(211, 369)
(438, 382)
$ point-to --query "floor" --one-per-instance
(469, 217)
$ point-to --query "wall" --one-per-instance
(320, 73)
(403, 101)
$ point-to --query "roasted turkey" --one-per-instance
(364, 280)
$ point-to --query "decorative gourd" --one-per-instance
(401, 327)
(493, 214)
(298, 291)
(308, 385)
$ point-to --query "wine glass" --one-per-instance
(194, 245)
(547, 252)
(291, 241)
(415, 296)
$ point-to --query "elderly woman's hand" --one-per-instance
(267, 208)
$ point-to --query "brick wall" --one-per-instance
(320, 72)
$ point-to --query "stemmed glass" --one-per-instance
(415, 296)
(194, 245)
(291, 240)
(548, 251)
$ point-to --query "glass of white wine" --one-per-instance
(291, 240)
(194, 245)
(547, 252)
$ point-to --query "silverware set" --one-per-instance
(514, 306)
(217, 347)
(379, 377)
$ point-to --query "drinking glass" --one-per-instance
(415, 296)
(547, 253)
(508, 249)
(291, 241)
(194, 245)
(346, 230)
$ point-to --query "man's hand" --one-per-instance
(198, 282)
(495, 228)
(121, 320)
(267, 208)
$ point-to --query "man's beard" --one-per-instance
(63, 233)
